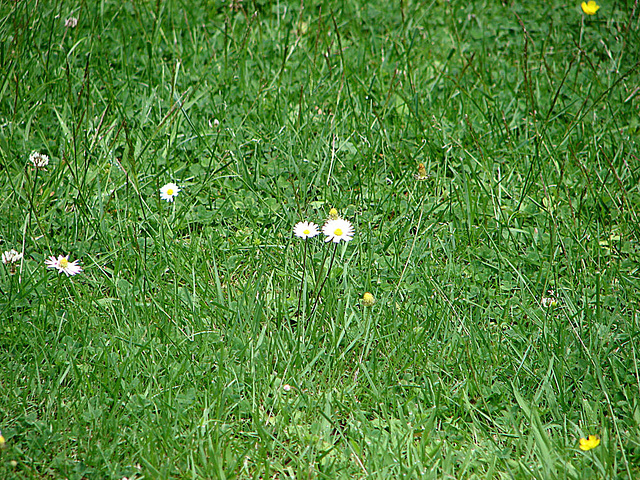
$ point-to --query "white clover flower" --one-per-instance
(336, 230)
(286, 387)
(63, 265)
(169, 192)
(39, 160)
(11, 256)
(550, 301)
(305, 230)
(71, 22)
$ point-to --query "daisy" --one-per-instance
(305, 230)
(169, 191)
(336, 230)
(62, 264)
(39, 160)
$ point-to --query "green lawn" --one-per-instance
(203, 339)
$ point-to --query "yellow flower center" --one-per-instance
(169, 191)
(64, 263)
(338, 232)
(306, 231)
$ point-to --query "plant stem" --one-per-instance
(333, 256)
(304, 265)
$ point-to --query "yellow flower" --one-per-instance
(590, 7)
(333, 214)
(589, 443)
(2, 440)
(368, 300)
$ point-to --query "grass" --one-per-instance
(168, 356)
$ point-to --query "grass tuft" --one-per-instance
(203, 340)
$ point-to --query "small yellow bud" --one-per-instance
(333, 214)
(368, 300)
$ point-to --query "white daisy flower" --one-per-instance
(338, 229)
(39, 160)
(169, 192)
(63, 265)
(305, 230)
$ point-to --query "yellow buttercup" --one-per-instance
(590, 7)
